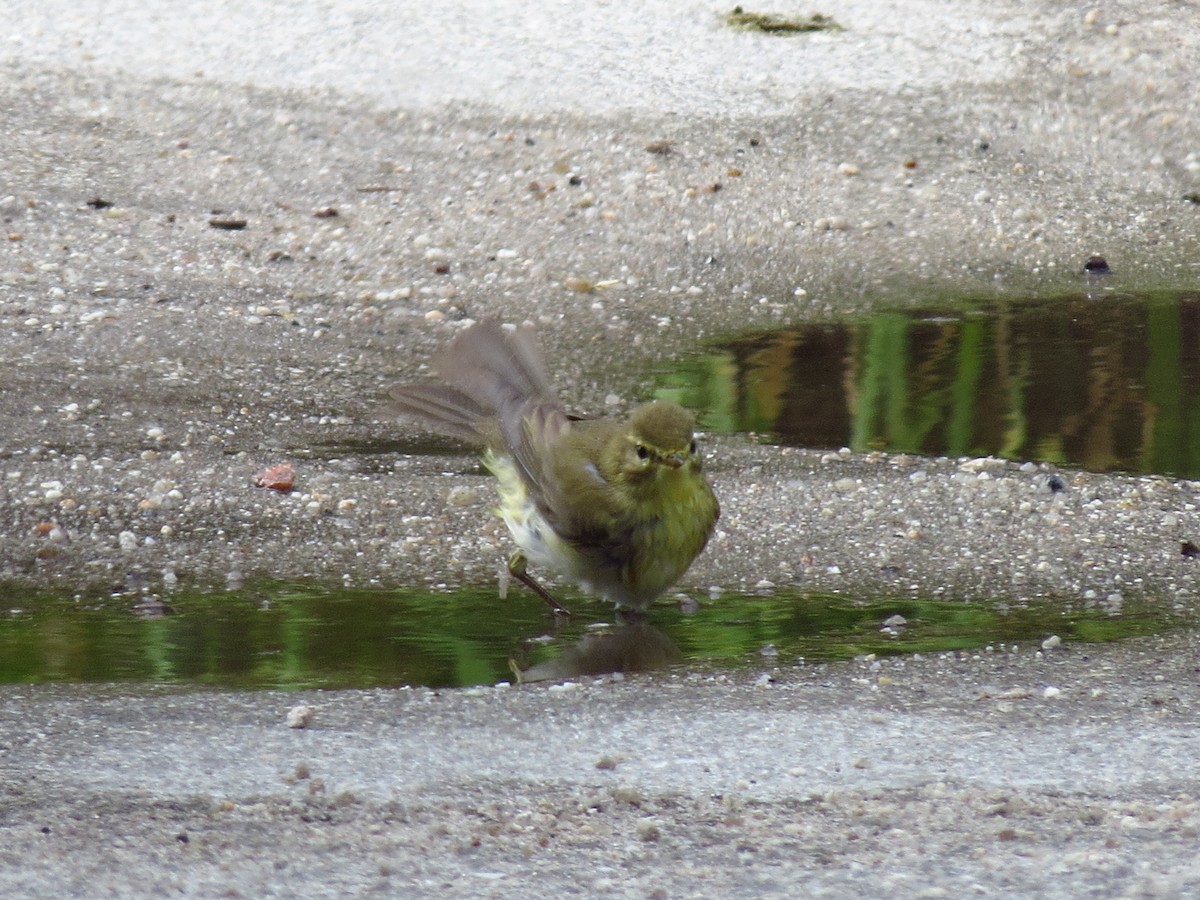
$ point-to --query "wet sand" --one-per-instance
(400, 175)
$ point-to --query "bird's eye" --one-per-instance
(642, 452)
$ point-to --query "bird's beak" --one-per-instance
(674, 460)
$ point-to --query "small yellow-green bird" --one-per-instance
(621, 508)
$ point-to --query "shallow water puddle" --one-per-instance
(286, 637)
(1103, 381)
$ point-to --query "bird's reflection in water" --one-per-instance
(630, 645)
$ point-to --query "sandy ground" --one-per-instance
(401, 170)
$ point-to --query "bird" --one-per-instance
(620, 507)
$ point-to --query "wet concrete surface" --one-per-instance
(153, 362)
(1013, 771)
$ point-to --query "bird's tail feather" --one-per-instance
(444, 409)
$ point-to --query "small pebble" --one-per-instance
(647, 831)
(831, 223)
(279, 478)
(462, 495)
(300, 716)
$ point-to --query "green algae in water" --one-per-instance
(291, 637)
(768, 23)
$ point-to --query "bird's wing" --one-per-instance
(533, 435)
(493, 377)
(576, 498)
(497, 368)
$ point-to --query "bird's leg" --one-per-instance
(518, 672)
(517, 564)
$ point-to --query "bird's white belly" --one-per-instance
(528, 527)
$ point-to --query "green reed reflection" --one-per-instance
(1106, 382)
(281, 636)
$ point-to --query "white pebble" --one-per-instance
(300, 716)
(831, 223)
(462, 495)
